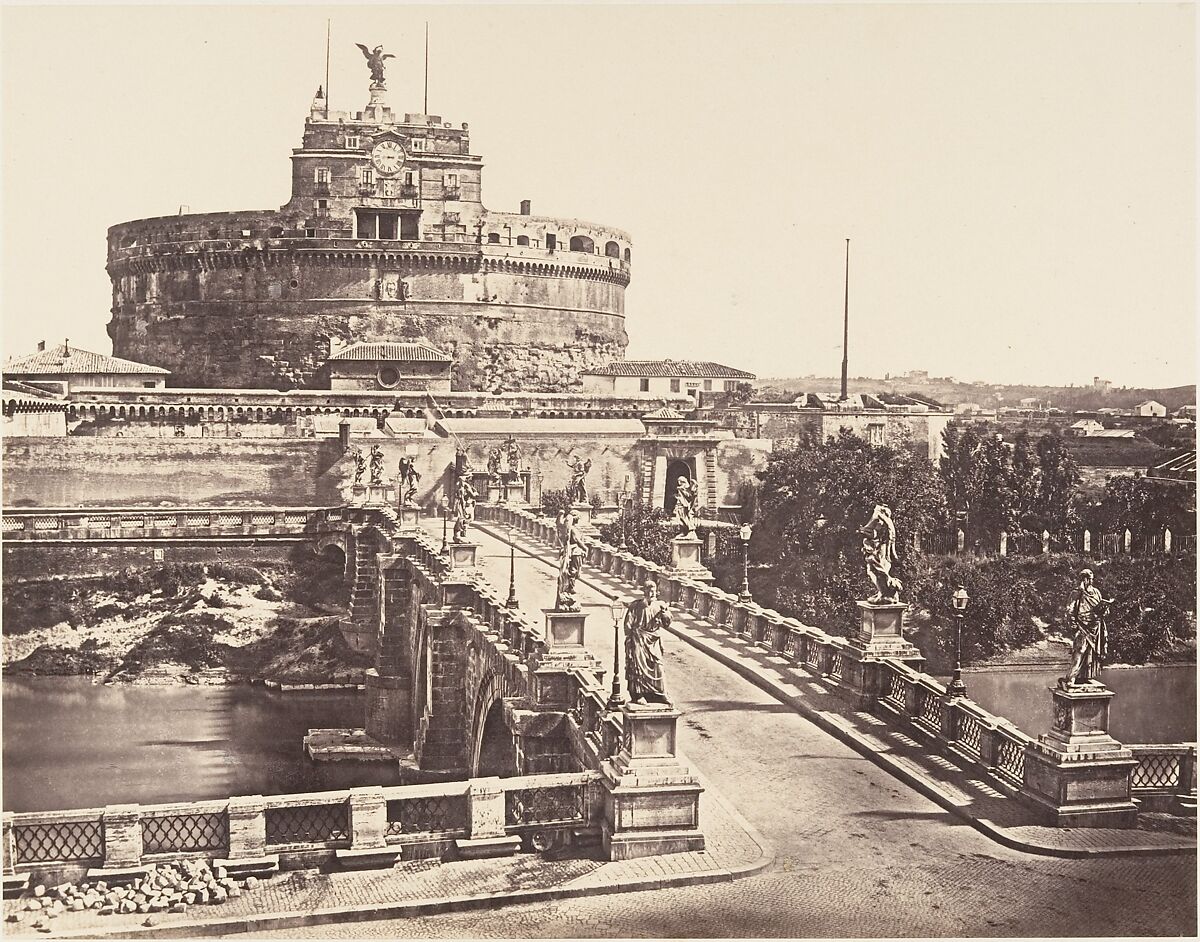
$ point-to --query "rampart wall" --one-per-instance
(249, 299)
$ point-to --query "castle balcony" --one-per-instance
(390, 202)
(408, 190)
(322, 188)
(451, 193)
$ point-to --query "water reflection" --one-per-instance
(71, 744)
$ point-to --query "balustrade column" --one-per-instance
(122, 837)
(8, 850)
(485, 828)
(368, 817)
(247, 827)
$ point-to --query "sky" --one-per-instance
(1018, 181)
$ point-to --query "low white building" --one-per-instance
(1150, 408)
(64, 368)
(1085, 428)
(665, 376)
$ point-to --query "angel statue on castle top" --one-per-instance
(375, 58)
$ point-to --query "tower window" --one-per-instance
(366, 176)
(323, 175)
(417, 144)
(352, 141)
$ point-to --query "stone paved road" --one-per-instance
(858, 853)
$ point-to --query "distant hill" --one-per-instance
(989, 396)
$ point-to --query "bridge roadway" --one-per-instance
(858, 853)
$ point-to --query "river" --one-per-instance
(69, 743)
(1152, 704)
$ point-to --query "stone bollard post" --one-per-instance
(8, 850)
(485, 810)
(247, 827)
(368, 831)
(368, 817)
(122, 837)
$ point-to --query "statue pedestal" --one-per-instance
(380, 494)
(651, 799)
(881, 631)
(410, 517)
(358, 494)
(583, 514)
(562, 652)
(685, 559)
(495, 492)
(1077, 774)
(880, 635)
(463, 555)
(378, 110)
(514, 492)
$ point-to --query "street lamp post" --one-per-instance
(444, 505)
(959, 600)
(512, 570)
(621, 517)
(615, 700)
(744, 533)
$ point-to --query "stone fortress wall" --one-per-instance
(260, 298)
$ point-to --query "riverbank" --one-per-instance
(195, 624)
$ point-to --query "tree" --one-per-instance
(1057, 485)
(814, 497)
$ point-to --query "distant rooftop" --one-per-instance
(65, 359)
(402, 352)
(683, 368)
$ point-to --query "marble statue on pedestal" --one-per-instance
(577, 490)
(687, 499)
(376, 464)
(571, 553)
(464, 507)
(360, 465)
(493, 466)
(409, 478)
(879, 554)
(513, 454)
(645, 620)
(1087, 614)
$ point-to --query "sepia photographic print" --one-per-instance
(599, 470)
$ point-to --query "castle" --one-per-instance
(385, 238)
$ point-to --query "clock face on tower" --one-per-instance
(388, 157)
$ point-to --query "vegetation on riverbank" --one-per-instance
(190, 622)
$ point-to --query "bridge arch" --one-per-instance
(493, 747)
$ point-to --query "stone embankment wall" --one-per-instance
(68, 472)
(292, 472)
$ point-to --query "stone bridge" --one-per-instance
(465, 686)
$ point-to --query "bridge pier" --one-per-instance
(651, 799)
(1077, 774)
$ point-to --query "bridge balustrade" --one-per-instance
(432, 814)
(955, 725)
